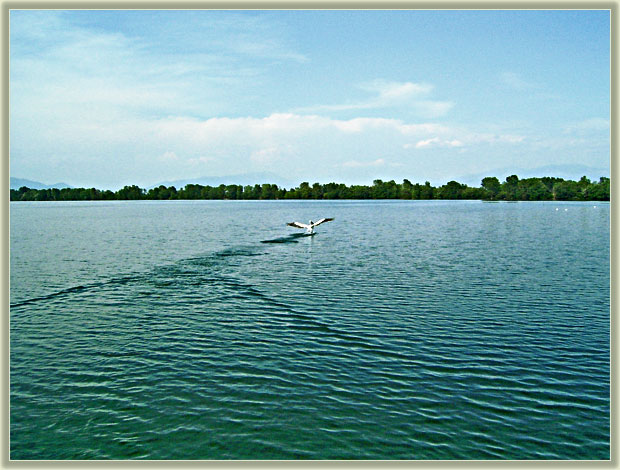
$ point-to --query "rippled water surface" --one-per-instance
(402, 330)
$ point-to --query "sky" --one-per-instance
(108, 98)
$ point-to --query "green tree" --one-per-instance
(509, 188)
(550, 182)
(317, 191)
(406, 189)
(532, 189)
(233, 191)
(108, 195)
(598, 191)
(378, 190)
(304, 190)
(427, 191)
(132, 192)
(191, 191)
(584, 182)
(392, 190)
(566, 191)
(492, 186)
(451, 190)
(474, 193)
(334, 191)
(359, 192)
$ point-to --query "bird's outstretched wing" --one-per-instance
(319, 222)
(298, 225)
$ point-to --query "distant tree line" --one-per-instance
(513, 189)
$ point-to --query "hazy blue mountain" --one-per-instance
(17, 183)
(567, 172)
(243, 179)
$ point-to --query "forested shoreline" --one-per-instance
(491, 189)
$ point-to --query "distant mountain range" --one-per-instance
(17, 183)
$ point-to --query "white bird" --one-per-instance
(310, 225)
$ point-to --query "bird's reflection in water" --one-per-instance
(292, 238)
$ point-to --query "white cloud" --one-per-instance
(588, 125)
(425, 129)
(389, 94)
(517, 82)
(361, 124)
(283, 137)
(169, 156)
(358, 164)
(435, 141)
(475, 138)
(65, 71)
(279, 131)
(510, 139)
(427, 142)
(432, 109)
(270, 154)
(200, 160)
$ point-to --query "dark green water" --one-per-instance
(402, 330)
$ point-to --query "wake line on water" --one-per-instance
(161, 277)
(310, 320)
(76, 289)
(213, 260)
(128, 279)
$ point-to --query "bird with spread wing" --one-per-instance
(309, 226)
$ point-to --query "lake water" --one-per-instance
(402, 330)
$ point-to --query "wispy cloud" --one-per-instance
(517, 81)
(293, 126)
(393, 93)
(389, 94)
(588, 125)
(67, 71)
(271, 154)
(435, 141)
(168, 157)
(288, 143)
(360, 164)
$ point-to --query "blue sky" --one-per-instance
(107, 98)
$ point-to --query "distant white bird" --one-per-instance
(310, 225)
